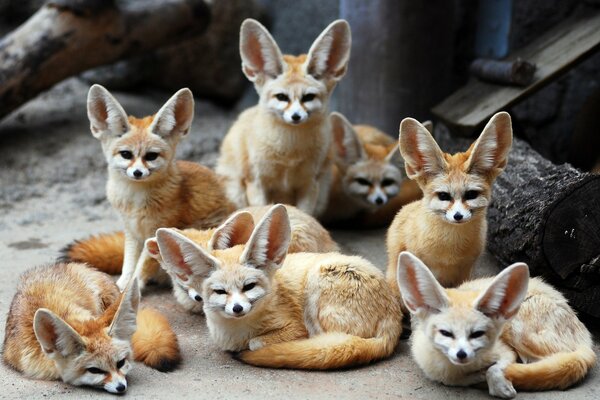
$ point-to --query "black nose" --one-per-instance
(237, 308)
(379, 201)
(296, 117)
(458, 216)
(121, 388)
(461, 354)
(197, 298)
(137, 173)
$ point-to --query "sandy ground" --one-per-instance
(52, 177)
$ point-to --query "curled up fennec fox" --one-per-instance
(304, 310)
(480, 331)
(280, 150)
(447, 228)
(146, 185)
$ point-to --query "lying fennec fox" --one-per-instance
(304, 310)
(447, 228)
(279, 151)
(69, 322)
(477, 332)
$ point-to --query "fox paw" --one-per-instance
(499, 386)
(255, 344)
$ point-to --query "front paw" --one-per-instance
(255, 344)
(499, 386)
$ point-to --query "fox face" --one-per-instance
(139, 149)
(457, 323)
(456, 187)
(96, 352)
(294, 89)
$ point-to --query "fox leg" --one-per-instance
(324, 186)
(133, 249)
(255, 193)
(498, 385)
(307, 196)
(286, 334)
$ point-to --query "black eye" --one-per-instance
(198, 298)
(282, 97)
(362, 181)
(446, 333)
(220, 291)
(388, 182)
(126, 154)
(308, 97)
(476, 334)
(151, 156)
(249, 286)
(444, 196)
(94, 370)
(120, 363)
(471, 194)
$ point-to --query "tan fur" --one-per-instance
(104, 252)
(154, 343)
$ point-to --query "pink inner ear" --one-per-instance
(413, 284)
(177, 257)
(153, 247)
(253, 50)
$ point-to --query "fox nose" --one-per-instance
(458, 216)
(296, 117)
(379, 201)
(461, 354)
(121, 388)
(137, 173)
(237, 308)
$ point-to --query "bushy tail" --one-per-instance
(558, 371)
(103, 252)
(154, 343)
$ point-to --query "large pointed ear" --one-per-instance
(107, 117)
(347, 144)
(502, 299)
(420, 290)
(236, 230)
(182, 258)
(490, 152)
(152, 248)
(123, 325)
(55, 335)
(395, 158)
(175, 116)
(261, 57)
(329, 54)
(268, 245)
(421, 153)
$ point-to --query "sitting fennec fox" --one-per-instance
(369, 182)
(69, 322)
(478, 331)
(447, 228)
(280, 150)
(146, 185)
(304, 310)
(307, 235)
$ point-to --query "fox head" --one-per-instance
(458, 186)
(96, 352)
(371, 174)
(295, 89)
(139, 149)
(458, 323)
(229, 277)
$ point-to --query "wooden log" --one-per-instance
(548, 216)
(66, 37)
(517, 72)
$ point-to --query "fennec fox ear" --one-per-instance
(182, 258)
(261, 57)
(489, 153)
(55, 335)
(268, 245)
(123, 325)
(420, 290)
(175, 116)
(502, 299)
(348, 147)
(421, 153)
(107, 117)
(236, 230)
(329, 54)
(395, 158)
(151, 246)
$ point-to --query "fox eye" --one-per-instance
(126, 154)
(220, 291)
(362, 181)
(444, 196)
(151, 156)
(282, 97)
(94, 370)
(388, 182)
(249, 286)
(471, 194)
(308, 97)
(476, 334)
(120, 363)
(446, 333)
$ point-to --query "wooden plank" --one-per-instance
(554, 53)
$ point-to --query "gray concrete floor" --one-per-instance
(52, 177)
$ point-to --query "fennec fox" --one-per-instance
(69, 322)
(447, 228)
(280, 150)
(146, 185)
(478, 331)
(304, 310)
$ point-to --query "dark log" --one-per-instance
(517, 72)
(66, 37)
(548, 216)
